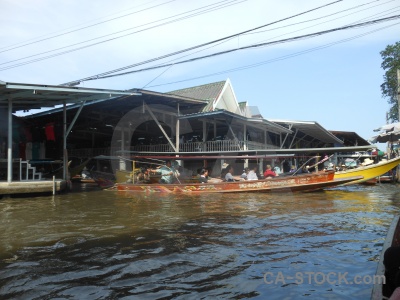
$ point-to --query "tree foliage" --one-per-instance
(389, 88)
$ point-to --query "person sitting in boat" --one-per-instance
(269, 173)
(330, 167)
(167, 172)
(293, 169)
(252, 175)
(304, 170)
(85, 173)
(229, 175)
(277, 170)
(203, 176)
(244, 174)
(224, 170)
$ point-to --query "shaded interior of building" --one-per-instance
(148, 123)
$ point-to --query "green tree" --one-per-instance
(390, 63)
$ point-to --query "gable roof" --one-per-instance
(219, 95)
(209, 92)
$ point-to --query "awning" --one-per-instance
(36, 96)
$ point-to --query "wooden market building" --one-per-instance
(205, 119)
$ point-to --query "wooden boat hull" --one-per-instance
(392, 239)
(306, 182)
(388, 177)
(371, 181)
(368, 172)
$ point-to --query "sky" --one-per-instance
(333, 78)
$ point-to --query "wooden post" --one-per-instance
(65, 153)
(204, 136)
(177, 129)
(54, 185)
(9, 149)
(122, 162)
(133, 171)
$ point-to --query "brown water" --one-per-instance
(105, 245)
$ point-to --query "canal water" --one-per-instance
(93, 244)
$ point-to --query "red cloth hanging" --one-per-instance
(50, 132)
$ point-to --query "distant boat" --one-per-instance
(106, 180)
(103, 179)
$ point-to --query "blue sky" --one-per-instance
(337, 86)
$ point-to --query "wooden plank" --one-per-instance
(31, 187)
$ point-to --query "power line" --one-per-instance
(195, 47)
(307, 21)
(301, 37)
(276, 59)
(323, 17)
(82, 28)
(353, 23)
(206, 8)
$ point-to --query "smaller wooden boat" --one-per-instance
(80, 179)
(106, 180)
(303, 182)
(77, 170)
(103, 179)
(388, 177)
(382, 290)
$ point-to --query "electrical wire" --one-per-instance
(251, 33)
(297, 38)
(277, 59)
(206, 8)
(323, 17)
(355, 22)
(171, 54)
(195, 47)
(79, 29)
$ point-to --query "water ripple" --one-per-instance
(102, 245)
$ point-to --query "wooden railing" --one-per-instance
(209, 146)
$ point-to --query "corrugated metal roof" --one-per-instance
(350, 138)
(208, 92)
(35, 96)
(310, 128)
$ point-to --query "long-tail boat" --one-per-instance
(302, 182)
(368, 172)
